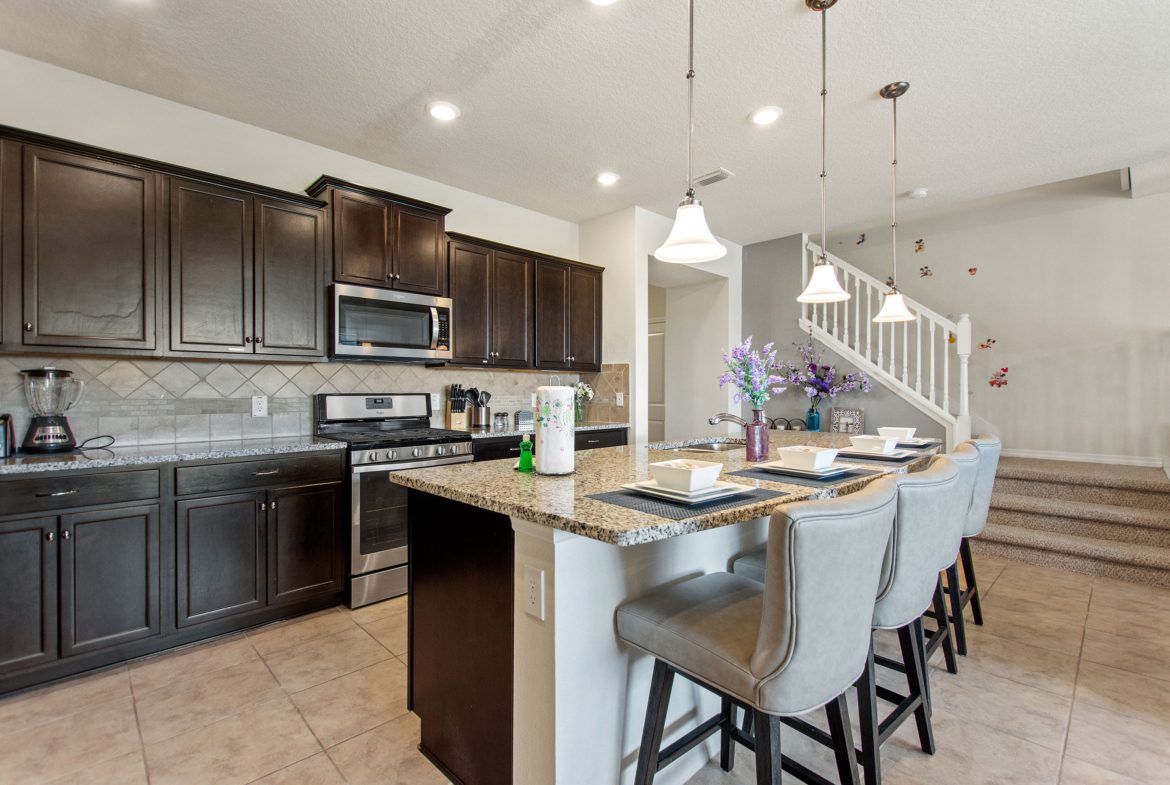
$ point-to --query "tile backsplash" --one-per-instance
(146, 401)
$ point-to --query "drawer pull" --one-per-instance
(268, 473)
(593, 441)
(69, 492)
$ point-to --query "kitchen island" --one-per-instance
(516, 671)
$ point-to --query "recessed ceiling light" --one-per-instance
(920, 193)
(766, 115)
(608, 178)
(603, 2)
(444, 111)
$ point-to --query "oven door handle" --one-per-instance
(393, 467)
(434, 327)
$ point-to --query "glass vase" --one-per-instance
(757, 436)
(579, 412)
(812, 419)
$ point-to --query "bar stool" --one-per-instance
(788, 646)
(988, 449)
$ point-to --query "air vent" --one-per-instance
(713, 177)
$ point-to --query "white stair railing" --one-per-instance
(913, 359)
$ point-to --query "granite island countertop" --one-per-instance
(562, 502)
(142, 455)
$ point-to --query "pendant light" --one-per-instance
(690, 241)
(894, 307)
(823, 286)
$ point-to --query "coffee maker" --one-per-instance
(51, 392)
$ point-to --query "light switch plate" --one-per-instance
(534, 591)
(621, 399)
(434, 402)
(259, 405)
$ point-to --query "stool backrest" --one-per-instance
(823, 566)
(927, 532)
(989, 448)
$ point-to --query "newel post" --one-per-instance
(963, 345)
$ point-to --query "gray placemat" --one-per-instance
(677, 511)
(905, 459)
(808, 482)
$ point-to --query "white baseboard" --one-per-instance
(1085, 457)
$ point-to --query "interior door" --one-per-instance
(89, 252)
(470, 291)
(552, 314)
(290, 285)
(511, 309)
(211, 269)
(419, 262)
(28, 593)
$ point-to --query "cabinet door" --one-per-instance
(109, 578)
(552, 314)
(361, 248)
(304, 543)
(219, 557)
(89, 252)
(470, 281)
(511, 309)
(419, 262)
(584, 319)
(211, 268)
(28, 593)
(290, 284)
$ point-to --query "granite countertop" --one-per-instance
(163, 453)
(589, 426)
(561, 502)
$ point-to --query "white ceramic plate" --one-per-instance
(896, 455)
(721, 489)
(916, 443)
(829, 472)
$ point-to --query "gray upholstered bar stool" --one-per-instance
(788, 646)
(976, 519)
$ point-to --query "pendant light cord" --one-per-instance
(824, 94)
(894, 199)
(691, 104)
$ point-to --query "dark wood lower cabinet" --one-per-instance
(219, 557)
(28, 593)
(305, 554)
(110, 588)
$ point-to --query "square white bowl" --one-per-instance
(901, 434)
(802, 457)
(878, 444)
(683, 474)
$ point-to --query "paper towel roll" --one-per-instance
(554, 430)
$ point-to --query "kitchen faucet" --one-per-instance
(725, 416)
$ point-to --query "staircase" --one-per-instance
(916, 360)
(1092, 518)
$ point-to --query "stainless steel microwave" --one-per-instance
(383, 324)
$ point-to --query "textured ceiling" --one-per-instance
(1004, 95)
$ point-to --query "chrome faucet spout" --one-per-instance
(727, 417)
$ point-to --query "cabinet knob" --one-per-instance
(389, 276)
(50, 536)
(272, 504)
(65, 535)
(397, 276)
(247, 339)
(28, 327)
(259, 339)
(263, 507)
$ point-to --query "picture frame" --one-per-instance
(851, 421)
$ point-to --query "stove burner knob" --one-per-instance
(442, 451)
(392, 455)
(416, 452)
(372, 456)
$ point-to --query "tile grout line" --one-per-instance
(1076, 684)
(296, 708)
(138, 725)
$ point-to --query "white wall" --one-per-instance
(1072, 283)
(39, 97)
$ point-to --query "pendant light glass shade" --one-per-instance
(690, 241)
(894, 309)
(823, 286)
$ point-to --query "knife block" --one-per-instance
(456, 421)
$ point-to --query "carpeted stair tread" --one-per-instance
(1104, 550)
(1088, 511)
(1139, 478)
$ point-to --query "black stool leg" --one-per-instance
(726, 744)
(940, 613)
(660, 686)
(768, 758)
(910, 638)
(958, 623)
(868, 722)
(843, 751)
(972, 589)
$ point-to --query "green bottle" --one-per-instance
(525, 455)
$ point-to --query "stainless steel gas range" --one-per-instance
(385, 433)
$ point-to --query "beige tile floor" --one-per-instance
(1068, 682)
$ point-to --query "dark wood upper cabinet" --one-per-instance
(110, 588)
(290, 278)
(470, 272)
(552, 307)
(584, 319)
(89, 254)
(305, 556)
(383, 239)
(211, 268)
(511, 309)
(28, 593)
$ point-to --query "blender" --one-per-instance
(51, 392)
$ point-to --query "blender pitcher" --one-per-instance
(51, 392)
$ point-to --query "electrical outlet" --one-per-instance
(533, 400)
(621, 399)
(259, 405)
(434, 402)
(534, 591)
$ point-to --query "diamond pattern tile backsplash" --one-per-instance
(164, 401)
